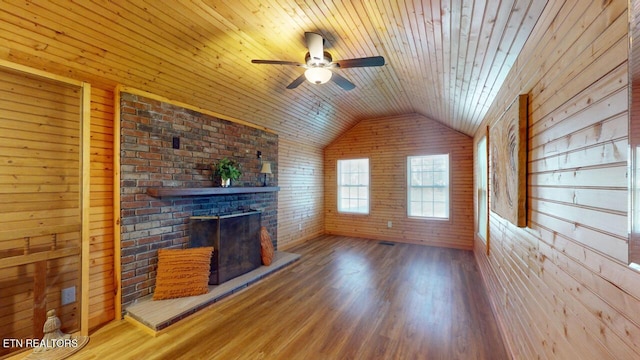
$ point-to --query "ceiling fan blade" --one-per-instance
(315, 45)
(296, 82)
(361, 62)
(342, 82)
(277, 62)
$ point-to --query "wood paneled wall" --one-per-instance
(560, 287)
(387, 142)
(300, 200)
(101, 276)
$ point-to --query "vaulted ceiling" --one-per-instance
(445, 59)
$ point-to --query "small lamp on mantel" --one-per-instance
(266, 169)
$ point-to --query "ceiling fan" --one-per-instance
(321, 67)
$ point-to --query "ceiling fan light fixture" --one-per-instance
(318, 75)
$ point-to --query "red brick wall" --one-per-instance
(149, 160)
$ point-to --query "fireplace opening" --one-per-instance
(236, 243)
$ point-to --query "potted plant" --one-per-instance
(228, 170)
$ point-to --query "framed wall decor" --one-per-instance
(508, 156)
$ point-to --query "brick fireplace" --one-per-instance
(149, 160)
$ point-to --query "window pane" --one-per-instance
(427, 165)
(438, 178)
(415, 179)
(427, 195)
(427, 178)
(353, 204)
(416, 208)
(439, 209)
(362, 166)
(344, 204)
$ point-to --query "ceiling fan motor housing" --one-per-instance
(314, 62)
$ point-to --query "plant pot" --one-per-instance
(225, 182)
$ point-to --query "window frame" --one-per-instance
(482, 193)
(447, 187)
(340, 186)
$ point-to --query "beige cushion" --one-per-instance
(182, 272)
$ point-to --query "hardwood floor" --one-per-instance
(344, 299)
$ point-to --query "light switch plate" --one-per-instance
(68, 295)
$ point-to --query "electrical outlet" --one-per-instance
(389, 224)
(299, 227)
(68, 295)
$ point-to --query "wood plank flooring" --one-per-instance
(345, 298)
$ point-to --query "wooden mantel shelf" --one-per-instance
(208, 191)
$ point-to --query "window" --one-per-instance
(353, 186)
(428, 186)
(481, 184)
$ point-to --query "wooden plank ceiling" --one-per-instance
(445, 59)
